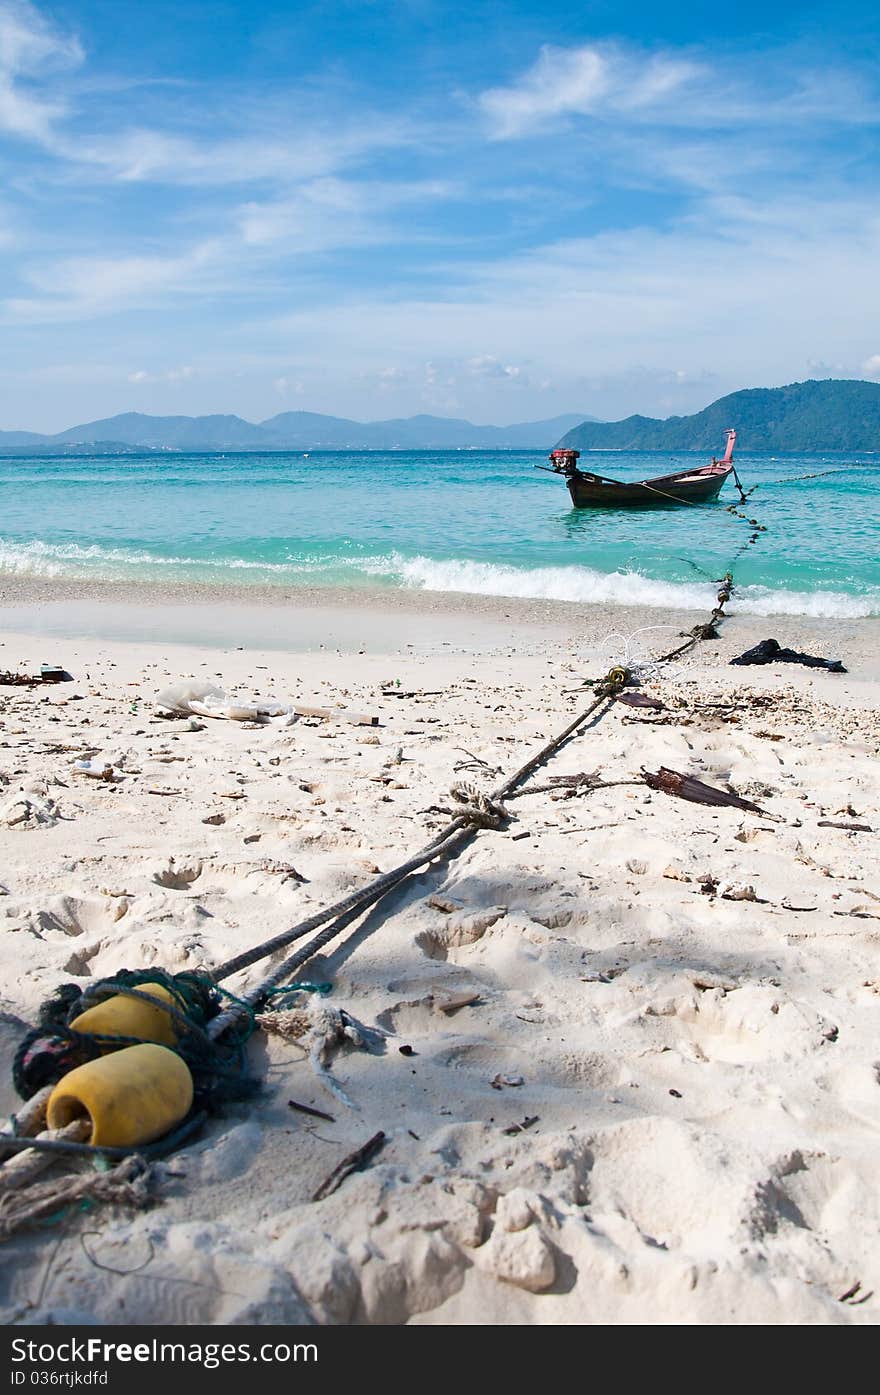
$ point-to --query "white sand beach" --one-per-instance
(658, 1099)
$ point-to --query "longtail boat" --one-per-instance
(589, 490)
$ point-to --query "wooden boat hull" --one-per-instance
(687, 487)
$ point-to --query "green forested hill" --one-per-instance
(831, 414)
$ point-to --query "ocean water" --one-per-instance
(472, 521)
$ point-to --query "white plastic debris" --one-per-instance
(179, 696)
(97, 767)
(191, 697)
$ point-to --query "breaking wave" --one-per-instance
(569, 583)
(617, 588)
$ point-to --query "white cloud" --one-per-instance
(285, 386)
(266, 151)
(624, 87)
(80, 287)
(595, 78)
(30, 48)
(871, 367)
(257, 142)
(488, 366)
(331, 212)
(170, 375)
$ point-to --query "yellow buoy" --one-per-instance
(121, 1016)
(129, 1097)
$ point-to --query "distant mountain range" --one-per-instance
(133, 431)
(827, 414)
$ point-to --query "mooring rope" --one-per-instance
(450, 839)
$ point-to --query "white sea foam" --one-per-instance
(613, 588)
(38, 558)
(573, 583)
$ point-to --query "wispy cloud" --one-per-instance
(623, 85)
(331, 212)
(183, 374)
(263, 152)
(594, 78)
(81, 287)
(31, 49)
(258, 142)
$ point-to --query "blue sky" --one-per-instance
(495, 210)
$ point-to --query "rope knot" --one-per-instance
(478, 809)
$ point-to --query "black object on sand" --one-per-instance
(769, 652)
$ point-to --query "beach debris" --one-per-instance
(473, 762)
(847, 827)
(391, 688)
(499, 1082)
(527, 1123)
(178, 698)
(127, 1184)
(8, 679)
(336, 714)
(696, 791)
(854, 1296)
(448, 1003)
(352, 1162)
(49, 673)
(407, 1050)
(97, 768)
(769, 651)
(311, 1111)
(641, 700)
(194, 697)
(201, 699)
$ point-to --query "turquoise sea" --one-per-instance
(472, 521)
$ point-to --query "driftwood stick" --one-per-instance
(310, 1110)
(848, 827)
(352, 1163)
